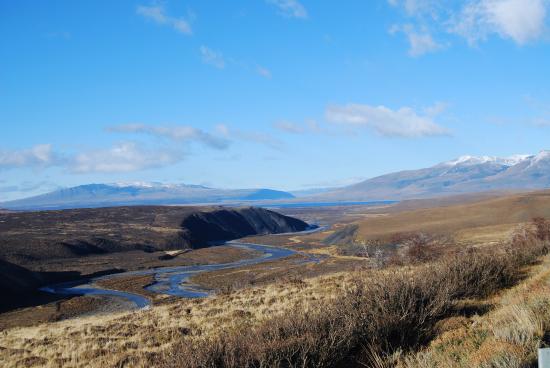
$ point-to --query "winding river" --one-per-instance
(175, 280)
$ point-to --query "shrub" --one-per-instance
(542, 228)
(378, 315)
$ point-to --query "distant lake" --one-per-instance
(327, 204)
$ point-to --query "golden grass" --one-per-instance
(487, 220)
(132, 338)
(506, 337)
(105, 341)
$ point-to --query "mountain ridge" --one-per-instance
(466, 174)
(463, 175)
(140, 193)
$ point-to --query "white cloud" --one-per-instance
(290, 8)
(123, 157)
(212, 57)
(310, 126)
(264, 72)
(420, 42)
(254, 137)
(40, 155)
(404, 122)
(519, 20)
(178, 133)
(157, 14)
(417, 7)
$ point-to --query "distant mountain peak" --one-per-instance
(141, 193)
(468, 160)
(466, 174)
(154, 185)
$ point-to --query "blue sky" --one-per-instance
(283, 94)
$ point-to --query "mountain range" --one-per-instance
(122, 194)
(466, 174)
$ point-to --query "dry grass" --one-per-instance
(507, 337)
(373, 317)
(488, 221)
(381, 314)
(106, 341)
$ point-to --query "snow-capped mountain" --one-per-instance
(476, 160)
(140, 193)
(466, 174)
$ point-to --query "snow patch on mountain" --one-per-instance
(478, 160)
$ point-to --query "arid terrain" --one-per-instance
(458, 282)
(46, 247)
(274, 183)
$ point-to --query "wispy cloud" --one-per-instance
(179, 133)
(41, 155)
(290, 8)
(403, 122)
(129, 156)
(420, 42)
(123, 157)
(519, 20)
(310, 126)
(157, 14)
(254, 137)
(212, 57)
(289, 127)
(420, 7)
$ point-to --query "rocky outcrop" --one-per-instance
(204, 227)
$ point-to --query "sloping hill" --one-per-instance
(32, 236)
(484, 220)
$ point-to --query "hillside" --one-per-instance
(467, 174)
(63, 242)
(484, 220)
(32, 236)
(103, 195)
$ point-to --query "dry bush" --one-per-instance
(542, 228)
(374, 319)
(312, 339)
(422, 247)
(418, 248)
(377, 316)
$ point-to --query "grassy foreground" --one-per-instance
(444, 313)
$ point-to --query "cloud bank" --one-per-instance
(123, 157)
(521, 21)
(181, 133)
(403, 122)
(40, 155)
